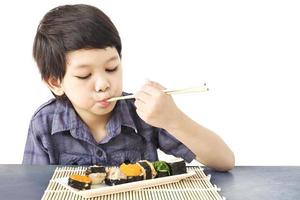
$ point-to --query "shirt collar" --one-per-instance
(121, 117)
(65, 118)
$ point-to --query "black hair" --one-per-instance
(68, 28)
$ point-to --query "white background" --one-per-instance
(246, 51)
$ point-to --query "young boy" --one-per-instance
(78, 52)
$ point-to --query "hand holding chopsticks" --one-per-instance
(170, 92)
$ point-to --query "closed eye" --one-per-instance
(111, 70)
(83, 77)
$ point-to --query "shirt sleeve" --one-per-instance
(35, 152)
(170, 145)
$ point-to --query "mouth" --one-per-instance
(103, 103)
(103, 100)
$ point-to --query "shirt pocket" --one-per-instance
(75, 159)
(119, 157)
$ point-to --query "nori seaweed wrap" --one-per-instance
(177, 167)
(96, 173)
(146, 169)
(80, 182)
(153, 171)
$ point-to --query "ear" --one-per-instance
(54, 84)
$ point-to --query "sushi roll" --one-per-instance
(133, 172)
(153, 171)
(177, 166)
(96, 173)
(80, 182)
(147, 168)
(114, 176)
(162, 169)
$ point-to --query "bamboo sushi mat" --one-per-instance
(196, 187)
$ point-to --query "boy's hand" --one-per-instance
(155, 107)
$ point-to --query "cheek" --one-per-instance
(119, 83)
(75, 91)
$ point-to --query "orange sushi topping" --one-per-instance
(131, 169)
(84, 179)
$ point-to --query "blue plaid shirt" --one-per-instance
(58, 136)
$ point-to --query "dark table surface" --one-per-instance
(263, 182)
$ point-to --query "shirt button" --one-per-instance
(99, 153)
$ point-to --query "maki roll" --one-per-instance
(114, 176)
(80, 182)
(162, 169)
(96, 173)
(153, 171)
(148, 169)
(177, 166)
(132, 171)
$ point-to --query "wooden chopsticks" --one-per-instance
(170, 92)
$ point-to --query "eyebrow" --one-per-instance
(107, 61)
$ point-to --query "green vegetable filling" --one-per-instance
(161, 166)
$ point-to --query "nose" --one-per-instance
(102, 84)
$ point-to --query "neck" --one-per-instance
(93, 121)
(96, 124)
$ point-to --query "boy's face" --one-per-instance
(92, 76)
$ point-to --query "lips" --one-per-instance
(103, 103)
(103, 100)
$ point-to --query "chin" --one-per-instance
(103, 111)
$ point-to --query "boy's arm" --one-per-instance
(34, 152)
(209, 148)
(158, 109)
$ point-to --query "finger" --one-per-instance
(142, 96)
(139, 104)
(150, 90)
(155, 84)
